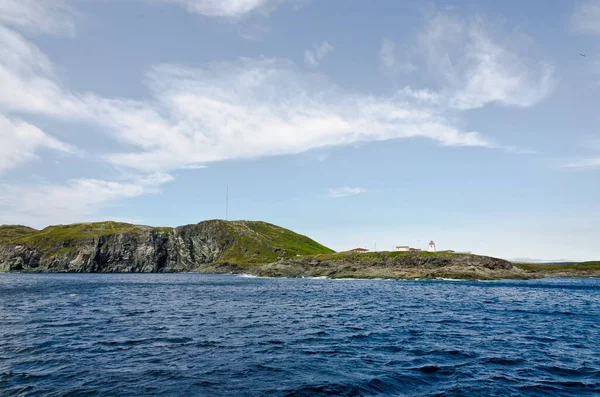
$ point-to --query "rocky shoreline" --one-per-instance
(240, 247)
(411, 266)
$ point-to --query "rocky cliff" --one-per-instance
(120, 247)
(255, 248)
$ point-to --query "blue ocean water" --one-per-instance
(211, 335)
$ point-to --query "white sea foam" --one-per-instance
(451, 279)
(254, 276)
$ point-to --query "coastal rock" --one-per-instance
(256, 248)
(110, 247)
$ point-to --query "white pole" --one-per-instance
(227, 204)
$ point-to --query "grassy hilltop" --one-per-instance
(62, 247)
(10, 233)
(261, 242)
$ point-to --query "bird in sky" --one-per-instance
(583, 55)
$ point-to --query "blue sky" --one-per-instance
(472, 123)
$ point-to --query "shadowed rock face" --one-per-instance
(181, 249)
(224, 247)
(112, 247)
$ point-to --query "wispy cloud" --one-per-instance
(345, 191)
(246, 108)
(314, 56)
(221, 111)
(262, 107)
(586, 163)
(19, 142)
(586, 17)
(39, 16)
(74, 201)
(390, 61)
(475, 69)
(232, 9)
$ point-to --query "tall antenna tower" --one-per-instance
(227, 204)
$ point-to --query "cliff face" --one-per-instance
(113, 247)
(238, 247)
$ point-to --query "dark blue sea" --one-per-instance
(210, 335)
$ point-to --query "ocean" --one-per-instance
(227, 335)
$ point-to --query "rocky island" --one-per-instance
(248, 247)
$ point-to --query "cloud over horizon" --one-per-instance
(76, 200)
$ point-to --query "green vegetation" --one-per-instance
(560, 267)
(12, 232)
(261, 242)
(242, 242)
(61, 238)
(350, 256)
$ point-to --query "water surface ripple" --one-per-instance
(209, 335)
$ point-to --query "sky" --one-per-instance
(358, 123)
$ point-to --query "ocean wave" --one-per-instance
(218, 335)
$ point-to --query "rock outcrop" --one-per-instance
(255, 248)
(110, 247)
(418, 265)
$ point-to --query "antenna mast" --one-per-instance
(227, 204)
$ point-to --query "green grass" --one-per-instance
(58, 238)
(245, 242)
(261, 242)
(292, 243)
(13, 232)
(379, 256)
(582, 266)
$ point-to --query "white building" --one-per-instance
(431, 246)
(402, 248)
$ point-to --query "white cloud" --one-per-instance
(251, 107)
(222, 111)
(28, 79)
(231, 110)
(345, 191)
(19, 142)
(586, 17)
(38, 16)
(587, 163)
(261, 107)
(475, 69)
(75, 201)
(314, 56)
(226, 8)
(390, 61)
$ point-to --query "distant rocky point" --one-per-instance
(249, 247)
